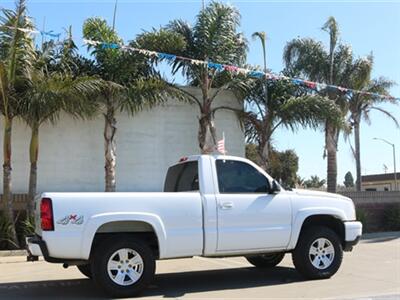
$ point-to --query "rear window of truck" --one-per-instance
(183, 177)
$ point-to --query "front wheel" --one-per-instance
(266, 260)
(318, 254)
(123, 266)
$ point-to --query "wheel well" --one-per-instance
(329, 221)
(140, 230)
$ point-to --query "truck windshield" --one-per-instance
(182, 178)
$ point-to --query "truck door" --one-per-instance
(248, 216)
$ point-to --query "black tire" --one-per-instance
(266, 260)
(85, 270)
(302, 257)
(106, 249)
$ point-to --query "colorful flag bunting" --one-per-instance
(217, 66)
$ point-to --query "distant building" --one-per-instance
(379, 182)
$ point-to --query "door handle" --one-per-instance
(226, 205)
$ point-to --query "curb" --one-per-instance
(5, 253)
(381, 235)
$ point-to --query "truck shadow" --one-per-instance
(164, 285)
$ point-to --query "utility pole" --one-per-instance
(394, 160)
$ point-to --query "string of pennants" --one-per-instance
(317, 86)
(50, 33)
(234, 69)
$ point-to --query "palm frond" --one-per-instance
(387, 113)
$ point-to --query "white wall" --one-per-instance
(71, 154)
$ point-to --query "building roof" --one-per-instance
(380, 177)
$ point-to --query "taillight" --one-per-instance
(46, 214)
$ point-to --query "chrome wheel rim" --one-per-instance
(321, 253)
(125, 267)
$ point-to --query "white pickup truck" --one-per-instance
(211, 206)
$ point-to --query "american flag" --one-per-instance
(221, 145)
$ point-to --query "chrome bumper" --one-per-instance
(353, 232)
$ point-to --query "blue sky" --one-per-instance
(366, 25)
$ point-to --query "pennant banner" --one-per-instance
(217, 66)
(234, 69)
(50, 33)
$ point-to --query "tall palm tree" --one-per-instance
(360, 104)
(275, 103)
(308, 58)
(213, 37)
(131, 84)
(264, 142)
(49, 93)
(16, 54)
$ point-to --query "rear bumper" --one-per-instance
(353, 232)
(36, 247)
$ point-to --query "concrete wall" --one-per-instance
(71, 153)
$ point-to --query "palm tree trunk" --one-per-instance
(207, 136)
(33, 156)
(7, 193)
(331, 148)
(264, 152)
(357, 153)
(110, 128)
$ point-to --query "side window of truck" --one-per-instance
(182, 178)
(236, 177)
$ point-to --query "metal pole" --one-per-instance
(394, 160)
(394, 164)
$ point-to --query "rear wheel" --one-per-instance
(318, 253)
(123, 266)
(266, 260)
(85, 270)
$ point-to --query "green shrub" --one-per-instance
(28, 226)
(5, 232)
(391, 217)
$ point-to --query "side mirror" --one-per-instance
(275, 188)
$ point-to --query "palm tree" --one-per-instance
(308, 58)
(264, 142)
(214, 37)
(360, 104)
(314, 182)
(288, 105)
(262, 36)
(131, 84)
(16, 54)
(49, 93)
(279, 103)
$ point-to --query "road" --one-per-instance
(371, 271)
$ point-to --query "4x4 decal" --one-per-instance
(71, 219)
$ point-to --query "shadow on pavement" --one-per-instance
(164, 285)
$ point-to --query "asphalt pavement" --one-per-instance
(371, 271)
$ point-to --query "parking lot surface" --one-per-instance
(371, 271)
